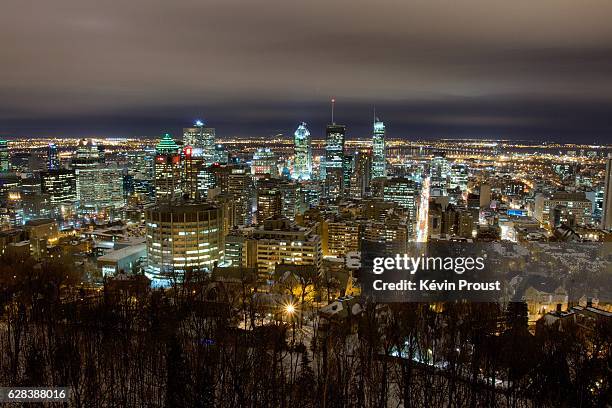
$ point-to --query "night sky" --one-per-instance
(537, 70)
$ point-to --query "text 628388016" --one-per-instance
(34, 394)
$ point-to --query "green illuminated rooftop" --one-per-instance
(167, 145)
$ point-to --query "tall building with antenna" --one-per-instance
(334, 143)
(379, 159)
(334, 157)
(302, 166)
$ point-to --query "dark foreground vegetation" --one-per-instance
(185, 348)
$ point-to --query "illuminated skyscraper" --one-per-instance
(459, 176)
(193, 168)
(362, 174)
(334, 184)
(311, 193)
(334, 146)
(208, 144)
(405, 193)
(201, 137)
(88, 155)
(606, 221)
(239, 185)
(439, 172)
(234, 180)
(264, 163)
(52, 157)
(101, 186)
(98, 184)
(597, 198)
(289, 198)
(168, 170)
(4, 156)
(221, 154)
(141, 163)
(61, 185)
(334, 170)
(269, 203)
(379, 159)
(347, 171)
(302, 166)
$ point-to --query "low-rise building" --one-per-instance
(128, 260)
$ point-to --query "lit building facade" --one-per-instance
(60, 185)
(439, 174)
(340, 237)
(576, 205)
(240, 250)
(289, 196)
(53, 162)
(394, 234)
(334, 184)
(141, 164)
(596, 197)
(347, 172)
(221, 154)
(302, 165)
(379, 159)
(361, 176)
(100, 186)
(240, 187)
(459, 175)
(193, 168)
(87, 155)
(310, 193)
(168, 170)
(281, 242)
(334, 146)
(264, 163)
(332, 171)
(182, 238)
(404, 192)
(606, 220)
(5, 162)
(201, 137)
(269, 203)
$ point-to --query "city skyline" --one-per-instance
(306, 204)
(485, 70)
(286, 236)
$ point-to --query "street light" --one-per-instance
(290, 310)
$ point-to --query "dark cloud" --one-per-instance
(434, 68)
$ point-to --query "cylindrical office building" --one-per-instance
(182, 238)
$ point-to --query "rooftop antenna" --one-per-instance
(333, 104)
(374, 113)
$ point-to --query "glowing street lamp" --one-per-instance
(290, 309)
